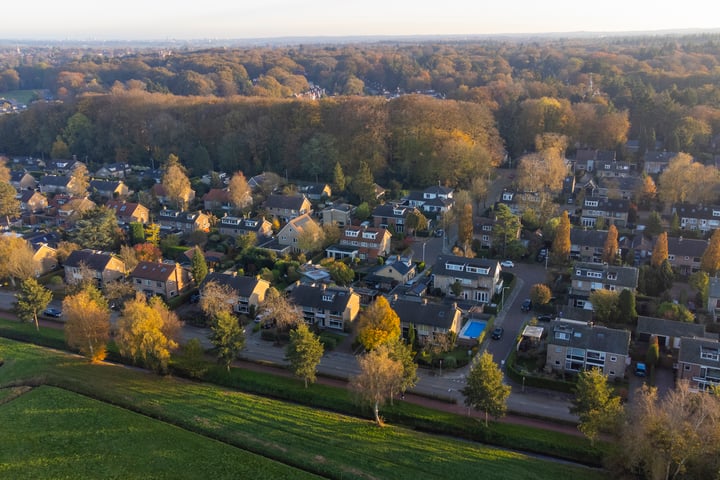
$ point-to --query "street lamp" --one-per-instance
(423, 257)
(441, 367)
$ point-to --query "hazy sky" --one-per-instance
(192, 19)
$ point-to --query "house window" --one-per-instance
(159, 284)
(613, 358)
(612, 373)
(687, 368)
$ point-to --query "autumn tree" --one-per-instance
(198, 266)
(175, 182)
(560, 249)
(216, 298)
(378, 324)
(304, 353)
(79, 181)
(710, 260)
(540, 294)
(278, 307)
(465, 228)
(403, 353)
(378, 379)
(685, 180)
(17, 260)
(484, 389)
(670, 436)
(647, 191)
(611, 248)
(338, 178)
(239, 191)
(660, 251)
(147, 252)
(653, 353)
(4, 170)
(675, 311)
(32, 299)
(311, 236)
(129, 257)
(227, 336)
(605, 304)
(415, 221)
(700, 281)
(87, 323)
(140, 336)
(598, 409)
(9, 205)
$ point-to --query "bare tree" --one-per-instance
(176, 182)
(216, 298)
(380, 376)
(285, 313)
(239, 191)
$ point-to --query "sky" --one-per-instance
(246, 19)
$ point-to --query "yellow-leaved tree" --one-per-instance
(378, 325)
(143, 335)
(87, 323)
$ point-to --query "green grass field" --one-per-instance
(52, 433)
(329, 444)
(21, 96)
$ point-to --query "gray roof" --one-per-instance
(691, 210)
(609, 204)
(466, 267)
(328, 298)
(105, 185)
(690, 247)
(660, 157)
(244, 286)
(691, 350)
(622, 183)
(611, 274)
(54, 181)
(669, 328)
(714, 287)
(286, 202)
(182, 217)
(424, 313)
(392, 210)
(94, 260)
(588, 238)
(601, 339)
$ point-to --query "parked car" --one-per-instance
(53, 312)
(498, 333)
(507, 264)
(526, 305)
(195, 298)
(640, 369)
(544, 318)
(439, 232)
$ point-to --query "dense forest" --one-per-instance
(416, 113)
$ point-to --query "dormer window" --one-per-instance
(591, 203)
(709, 354)
(612, 275)
(328, 297)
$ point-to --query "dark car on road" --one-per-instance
(498, 333)
(544, 318)
(526, 305)
(52, 312)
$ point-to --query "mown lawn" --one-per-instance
(53, 433)
(329, 444)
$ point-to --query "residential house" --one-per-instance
(291, 234)
(340, 214)
(27, 164)
(327, 307)
(32, 201)
(55, 184)
(158, 190)
(287, 207)
(241, 226)
(573, 347)
(164, 279)
(586, 159)
(483, 231)
(114, 170)
(478, 278)
(62, 167)
(317, 191)
(429, 320)
(45, 258)
(109, 188)
(396, 270)
(392, 216)
(104, 267)
(433, 200)
(713, 306)
(22, 180)
(609, 211)
(50, 239)
(618, 187)
(684, 254)
(248, 292)
(656, 162)
(588, 277)
(612, 168)
(218, 199)
(371, 242)
(668, 332)
(705, 218)
(699, 362)
(588, 245)
(185, 222)
(128, 212)
(70, 211)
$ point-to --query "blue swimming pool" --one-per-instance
(473, 329)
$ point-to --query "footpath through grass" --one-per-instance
(318, 441)
(53, 433)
